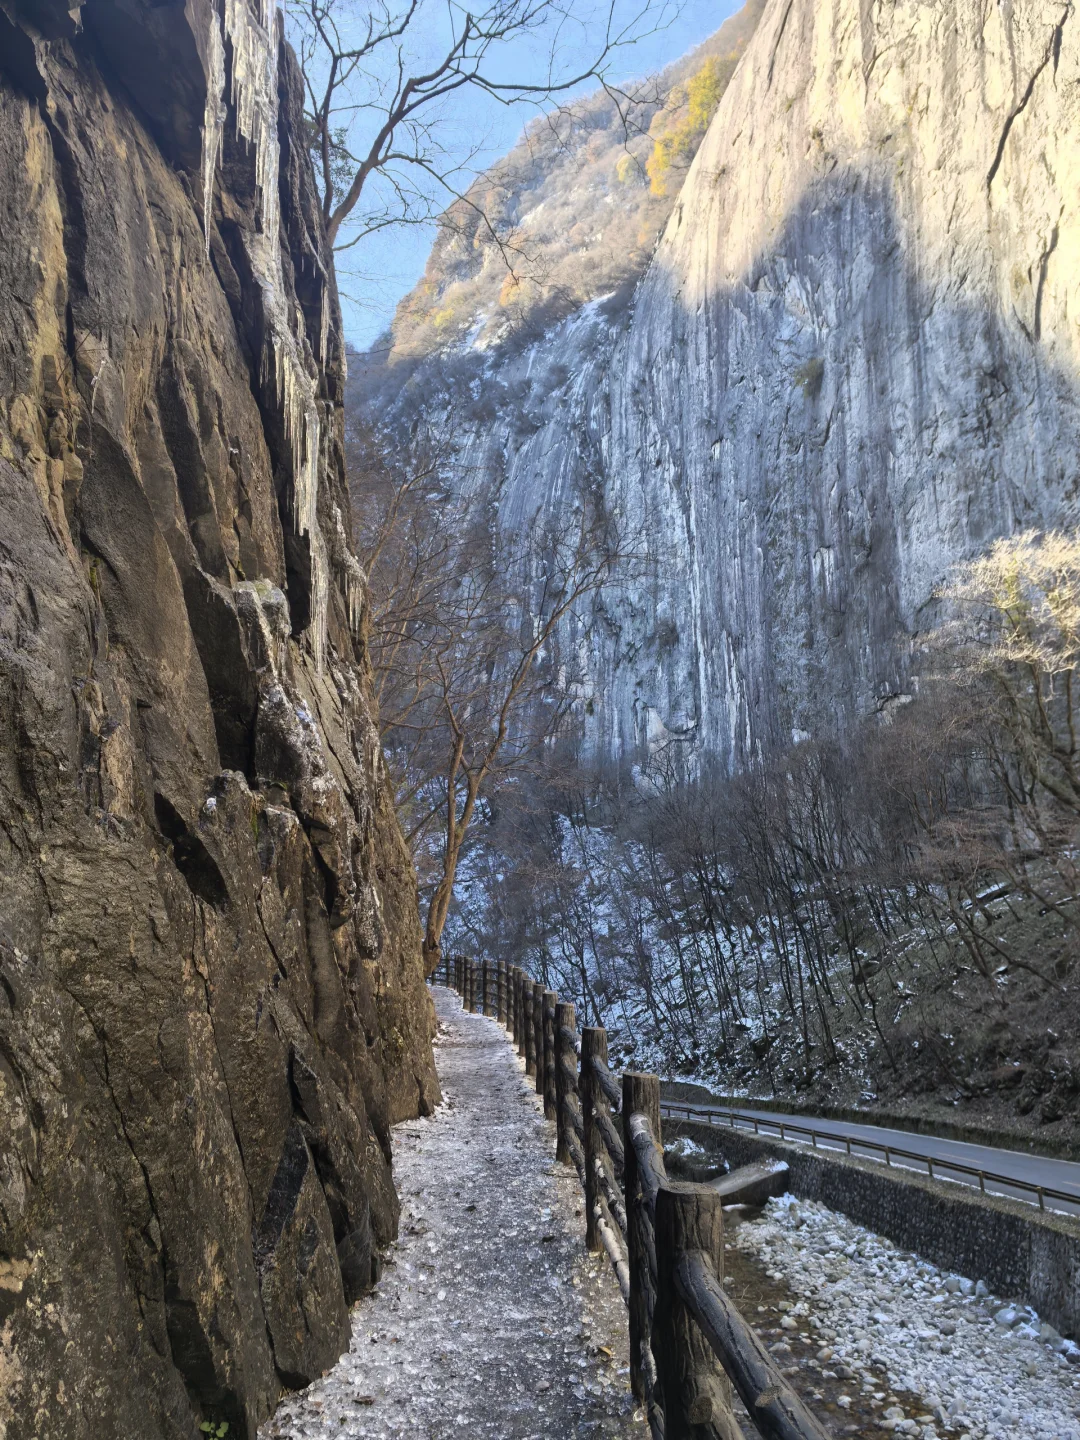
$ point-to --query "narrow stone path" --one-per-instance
(490, 1319)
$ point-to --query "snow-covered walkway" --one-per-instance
(490, 1319)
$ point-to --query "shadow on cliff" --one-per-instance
(839, 428)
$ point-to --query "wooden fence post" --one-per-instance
(550, 999)
(520, 1010)
(593, 1043)
(696, 1393)
(472, 986)
(529, 1025)
(565, 1066)
(640, 1096)
(489, 989)
(501, 984)
(538, 1037)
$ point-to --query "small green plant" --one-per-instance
(809, 376)
(218, 1429)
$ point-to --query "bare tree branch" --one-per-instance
(376, 108)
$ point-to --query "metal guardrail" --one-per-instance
(713, 1115)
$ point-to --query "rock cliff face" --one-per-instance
(211, 1002)
(852, 361)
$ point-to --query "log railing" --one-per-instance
(664, 1237)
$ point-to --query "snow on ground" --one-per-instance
(490, 1319)
(886, 1319)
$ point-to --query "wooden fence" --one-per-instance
(664, 1237)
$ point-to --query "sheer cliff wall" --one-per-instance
(851, 362)
(211, 999)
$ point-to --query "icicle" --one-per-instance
(254, 97)
(214, 112)
(254, 42)
(349, 571)
(324, 322)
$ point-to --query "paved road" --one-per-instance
(1061, 1175)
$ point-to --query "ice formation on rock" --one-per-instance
(254, 96)
(253, 91)
(213, 119)
(324, 323)
(350, 571)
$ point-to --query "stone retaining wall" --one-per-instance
(1021, 1252)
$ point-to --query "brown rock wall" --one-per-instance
(211, 999)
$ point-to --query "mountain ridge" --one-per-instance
(566, 215)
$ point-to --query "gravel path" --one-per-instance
(892, 1327)
(490, 1318)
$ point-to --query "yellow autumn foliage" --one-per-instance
(679, 132)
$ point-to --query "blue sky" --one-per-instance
(379, 270)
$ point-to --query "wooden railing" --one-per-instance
(664, 1237)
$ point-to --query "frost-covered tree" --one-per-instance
(1019, 631)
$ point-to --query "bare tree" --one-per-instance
(381, 76)
(464, 624)
(1019, 634)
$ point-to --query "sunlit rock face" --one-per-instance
(851, 362)
(853, 359)
(211, 1000)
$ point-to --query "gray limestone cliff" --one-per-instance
(851, 362)
(211, 1000)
